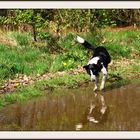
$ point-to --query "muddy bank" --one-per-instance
(20, 80)
(52, 113)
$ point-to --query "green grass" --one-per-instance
(22, 60)
(23, 39)
(39, 88)
(23, 94)
(122, 43)
(30, 60)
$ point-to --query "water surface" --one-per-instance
(115, 110)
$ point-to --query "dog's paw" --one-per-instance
(92, 119)
(95, 89)
(101, 88)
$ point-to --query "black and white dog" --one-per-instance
(98, 63)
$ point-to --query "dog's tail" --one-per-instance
(85, 43)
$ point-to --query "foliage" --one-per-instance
(78, 20)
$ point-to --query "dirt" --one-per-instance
(118, 29)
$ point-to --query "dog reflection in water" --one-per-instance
(95, 113)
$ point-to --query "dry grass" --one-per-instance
(6, 40)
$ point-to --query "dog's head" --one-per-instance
(93, 70)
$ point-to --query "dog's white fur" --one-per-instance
(94, 60)
(80, 39)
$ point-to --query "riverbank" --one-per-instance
(28, 72)
(119, 75)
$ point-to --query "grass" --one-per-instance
(23, 60)
(122, 43)
(22, 39)
(39, 88)
(28, 59)
(34, 60)
(23, 94)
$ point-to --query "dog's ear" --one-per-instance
(86, 67)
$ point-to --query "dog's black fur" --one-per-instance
(104, 56)
(99, 61)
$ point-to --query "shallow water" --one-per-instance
(114, 110)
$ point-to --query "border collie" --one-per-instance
(98, 63)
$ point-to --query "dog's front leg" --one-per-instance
(104, 70)
(96, 83)
(103, 82)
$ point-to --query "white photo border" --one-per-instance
(69, 4)
(69, 134)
